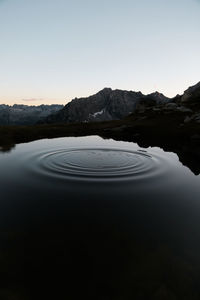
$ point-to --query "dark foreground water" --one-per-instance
(97, 219)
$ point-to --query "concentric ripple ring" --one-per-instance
(96, 164)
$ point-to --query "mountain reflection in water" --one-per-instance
(101, 219)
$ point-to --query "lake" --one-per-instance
(95, 218)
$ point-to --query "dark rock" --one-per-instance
(191, 94)
(195, 137)
(184, 109)
(187, 119)
(158, 97)
(170, 106)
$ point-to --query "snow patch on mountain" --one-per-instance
(98, 113)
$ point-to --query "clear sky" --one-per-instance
(52, 51)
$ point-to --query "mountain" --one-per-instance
(192, 94)
(106, 105)
(24, 114)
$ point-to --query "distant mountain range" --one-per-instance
(24, 114)
(106, 105)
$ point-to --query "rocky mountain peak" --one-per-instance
(193, 88)
(158, 97)
(192, 93)
(105, 105)
(106, 90)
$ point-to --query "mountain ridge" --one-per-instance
(105, 105)
(20, 114)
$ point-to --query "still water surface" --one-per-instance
(98, 218)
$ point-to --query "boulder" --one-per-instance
(184, 109)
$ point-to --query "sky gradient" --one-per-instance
(53, 51)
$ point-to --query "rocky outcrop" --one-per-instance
(106, 105)
(188, 105)
(159, 98)
(191, 94)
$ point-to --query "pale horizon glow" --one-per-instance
(53, 51)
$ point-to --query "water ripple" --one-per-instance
(97, 164)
